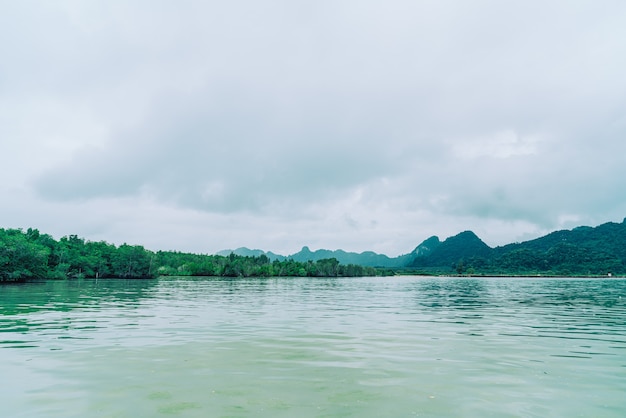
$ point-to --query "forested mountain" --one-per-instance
(580, 251)
(447, 253)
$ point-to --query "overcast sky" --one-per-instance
(362, 125)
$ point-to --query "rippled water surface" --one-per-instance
(364, 347)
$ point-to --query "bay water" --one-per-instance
(399, 346)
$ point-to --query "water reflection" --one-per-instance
(49, 312)
(30, 297)
(453, 293)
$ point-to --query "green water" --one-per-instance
(364, 347)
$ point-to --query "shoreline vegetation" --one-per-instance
(583, 252)
(31, 255)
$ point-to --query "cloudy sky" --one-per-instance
(355, 124)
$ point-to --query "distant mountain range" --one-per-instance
(583, 250)
(246, 252)
(367, 258)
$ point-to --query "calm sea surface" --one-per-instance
(285, 347)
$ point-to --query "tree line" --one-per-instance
(32, 255)
(563, 259)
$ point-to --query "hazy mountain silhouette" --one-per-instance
(582, 250)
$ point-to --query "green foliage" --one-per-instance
(579, 252)
(21, 255)
(32, 255)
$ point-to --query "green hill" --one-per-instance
(367, 258)
(454, 250)
(581, 251)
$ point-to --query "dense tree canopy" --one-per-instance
(32, 255)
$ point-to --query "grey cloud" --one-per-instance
(279, 107)
(232, 158)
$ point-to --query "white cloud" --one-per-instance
(503, 144)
